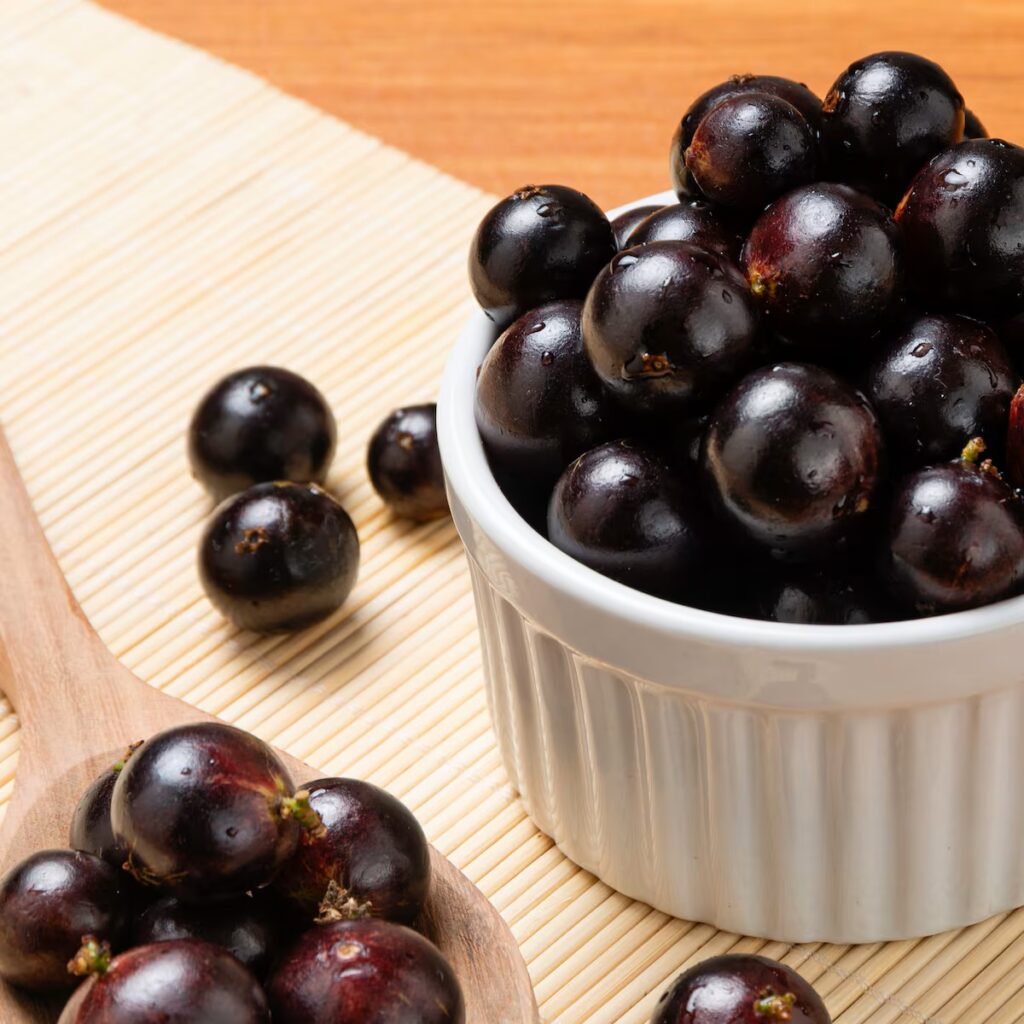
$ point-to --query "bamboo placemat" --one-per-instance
(165, 218)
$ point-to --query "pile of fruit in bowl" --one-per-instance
(200, 885)
(793, 394)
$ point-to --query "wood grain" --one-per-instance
(69, 732)
(583, 92)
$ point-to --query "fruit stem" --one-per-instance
(117, 766)
(774, 1007)
(339, 904)
(973, 450)
(92, 958)
(299, 808)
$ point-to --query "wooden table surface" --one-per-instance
(581, 92)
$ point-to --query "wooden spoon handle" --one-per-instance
(41, 623)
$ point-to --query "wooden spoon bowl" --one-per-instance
(76, 704)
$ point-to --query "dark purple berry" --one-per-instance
(47, 904)
(886, 116)
(259, 424)
(939, 382)
(248, 927)
(740, 989)
(693, 220)
(793, 457)
(956, 538)
(542, 243)
(370, 971)
(668, 326)
(826, 266)
(372, 858)
(622, 511)
(749, 150)
(404, 463)
(206, 811)
(624, 224)
(739, 85)
(91, 830)
(819, 598)
(963, 222)
(539, 403)
(179, 982)
(278, 557)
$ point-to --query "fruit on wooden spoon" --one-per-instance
(207, 810)
(248, 927)
(370, 859)
(367, 971)
(47, 903)
(179, 982)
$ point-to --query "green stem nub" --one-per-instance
(299, 808)
(973, 450)
(340, 905)
(774, 1007)
(92, 958)
(118, 765)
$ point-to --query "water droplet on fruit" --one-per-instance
(876, 117)
(186, 771)
(925, 512)
(547, 358)
(970, 163)
(231, 832)
(921, 349)
(536, 328)
(955, 178)
(625, 260)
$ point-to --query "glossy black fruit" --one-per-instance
(963, 222)
(826, 266)
(624, 224)
(973, 128)
(956, 538)
(248, 927)
(180, 982)
(370, 971)
(206, 811)
(819, 598)
(749, 150)
(885, 117)
(693, 220)
(621, 510)
(544, 242)
(740, 989)
(278, 557)
(47, 903)
(404, 463)
(372, 859)
(91, 830)
(739, 85)
(539, 403)
(667, 326)
(793, 457)
(258, 424)
(939, 382)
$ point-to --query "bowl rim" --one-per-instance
(469, 475)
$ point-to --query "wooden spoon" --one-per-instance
(77, 705)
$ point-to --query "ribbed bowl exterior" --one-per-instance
(804, 783)
(830, 826)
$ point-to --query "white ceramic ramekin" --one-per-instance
(843, 784)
